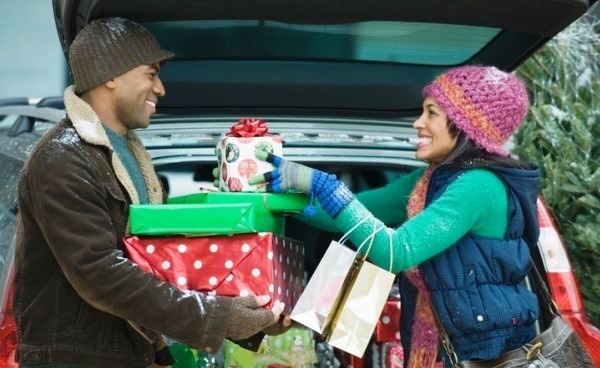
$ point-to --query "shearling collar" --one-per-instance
(88, 126)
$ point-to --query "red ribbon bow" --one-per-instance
(248, 128)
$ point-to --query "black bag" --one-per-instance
(556, 347)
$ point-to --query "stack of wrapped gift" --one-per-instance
(229, 244)
(387, 333)
(226, 243)
(388, 326)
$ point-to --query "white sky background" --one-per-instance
(31, 60)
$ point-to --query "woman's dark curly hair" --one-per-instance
(467, 155)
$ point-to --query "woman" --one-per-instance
(468, 218)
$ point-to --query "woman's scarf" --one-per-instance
(425, 335)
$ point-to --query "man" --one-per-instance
(78, 301)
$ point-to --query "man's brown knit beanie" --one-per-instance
(109, 47)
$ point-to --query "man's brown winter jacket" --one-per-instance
(77, 299)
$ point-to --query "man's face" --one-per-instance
(136, 96)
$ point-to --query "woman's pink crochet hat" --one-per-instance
(487, 104)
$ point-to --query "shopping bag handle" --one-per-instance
(345, 237)
(372, 237)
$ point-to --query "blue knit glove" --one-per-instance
(331, 193)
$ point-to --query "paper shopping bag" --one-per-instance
(317, 305)
(344, 297)
(359, 310)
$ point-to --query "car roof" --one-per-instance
(335, 57)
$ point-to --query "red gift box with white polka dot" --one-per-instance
(388, 326)
(233, 265)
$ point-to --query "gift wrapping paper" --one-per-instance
(203, 219)
(187, 357)
(236, 265)
(295, 348)
(349, 360)
(271, 202)
(392, 355)
(238, 163)
(388, 326)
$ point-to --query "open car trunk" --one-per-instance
(335, 57)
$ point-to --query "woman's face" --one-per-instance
(435, 141)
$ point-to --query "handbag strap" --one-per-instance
(445, 339)
(544, 290)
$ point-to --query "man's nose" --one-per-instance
(158, 88)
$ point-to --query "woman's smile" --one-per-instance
(435, 141)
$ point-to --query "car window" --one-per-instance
(378, 41)
(9, 177)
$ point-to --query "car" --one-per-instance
(339, 81)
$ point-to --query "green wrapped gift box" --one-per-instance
(187, 357)
(206, 214)
(280, 203)
(295, 348)
(202, 219)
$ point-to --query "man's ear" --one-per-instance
(111, 84)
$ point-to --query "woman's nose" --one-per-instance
(419, 123)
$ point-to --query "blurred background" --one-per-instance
(31, 60)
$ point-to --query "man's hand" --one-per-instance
(247, 318)
(286, 176)
(282, 325)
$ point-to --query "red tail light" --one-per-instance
(565, 293)
(563, 286)
(8, 341)
(8, 335)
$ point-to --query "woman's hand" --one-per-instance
(287, 175)
(331, 193)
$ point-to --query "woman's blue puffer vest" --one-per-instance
(476, 285)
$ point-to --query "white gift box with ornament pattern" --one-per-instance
(238, 161)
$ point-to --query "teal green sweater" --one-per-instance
(122, 150)
(476, 203)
